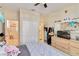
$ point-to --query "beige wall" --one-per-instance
(11, 14)
(73, 11)
(41, 28)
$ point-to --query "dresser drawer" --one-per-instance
(62, 49)
(74, 51)
(74, 44)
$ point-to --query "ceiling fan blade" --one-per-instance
(45, 5)
(36, 4)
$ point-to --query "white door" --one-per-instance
(25, 31)
(29, 31)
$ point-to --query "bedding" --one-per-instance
(42, 49)
(7, 50)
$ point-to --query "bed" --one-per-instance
(42, 49)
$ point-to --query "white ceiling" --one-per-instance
(40, 8)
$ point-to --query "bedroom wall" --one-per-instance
(10, 14)
(73, 11)
(41, 28)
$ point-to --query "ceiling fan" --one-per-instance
(45, 5)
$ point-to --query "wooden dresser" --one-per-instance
(74, 48)
(70, 47)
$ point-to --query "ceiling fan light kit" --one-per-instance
(36, 4)
(45, 5)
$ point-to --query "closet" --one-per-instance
(29, 27)
(29, 31)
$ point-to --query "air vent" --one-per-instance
(33, 9)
